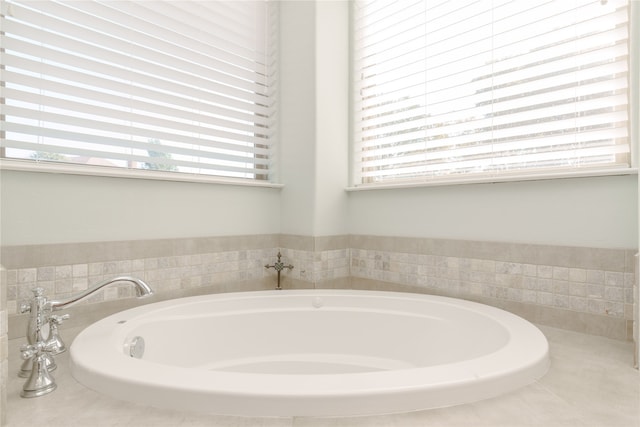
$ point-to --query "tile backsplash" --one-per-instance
(579, 289)
(549, 284)
(163, 273)
(4, 348)
(585, 289)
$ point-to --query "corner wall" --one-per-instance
(314, 132)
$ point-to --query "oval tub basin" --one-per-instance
(309, 353)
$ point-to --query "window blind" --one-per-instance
(160, 85)
(446, 89)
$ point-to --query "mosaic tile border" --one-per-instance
(591, 290)
(583, 290)
(165, 273)
(585, 281)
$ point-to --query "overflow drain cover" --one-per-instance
(136, 347)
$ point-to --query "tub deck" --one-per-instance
(607, 396)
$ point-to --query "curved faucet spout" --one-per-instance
(142, 290)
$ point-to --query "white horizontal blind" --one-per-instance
(488, 87)
(163, 85)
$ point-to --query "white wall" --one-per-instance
(591, 212)
(43, 208)
(297, 116)
(40, 208)
(314, 117)
(332, 118)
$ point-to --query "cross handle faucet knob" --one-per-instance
(56, 319)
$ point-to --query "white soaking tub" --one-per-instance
(309, 353)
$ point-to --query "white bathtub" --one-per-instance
(310, 353)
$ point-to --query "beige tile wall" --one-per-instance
(165, 273)
(4, 363)
(636, 313)
(173, 268)
(578, 289)
(584, 289)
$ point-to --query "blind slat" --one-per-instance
(134, 42)
(80, 85)
(82, 155)
(109, 144)
(70, 111)
(163, 81)
(216, 139)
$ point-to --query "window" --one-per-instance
(485, 88)
(153, 85)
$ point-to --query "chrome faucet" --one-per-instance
(43, 339)
(279, 266)
(142, 290)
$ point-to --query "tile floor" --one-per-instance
(591, 383)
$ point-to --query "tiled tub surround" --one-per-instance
(173, 268)
(168, 273)
(4, 357)
(582, 289)
(318, 261)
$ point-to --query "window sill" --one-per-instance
(464, 180)
(104, 171)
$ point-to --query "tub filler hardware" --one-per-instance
(40, 381)
(43, 338)
(279, 266)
